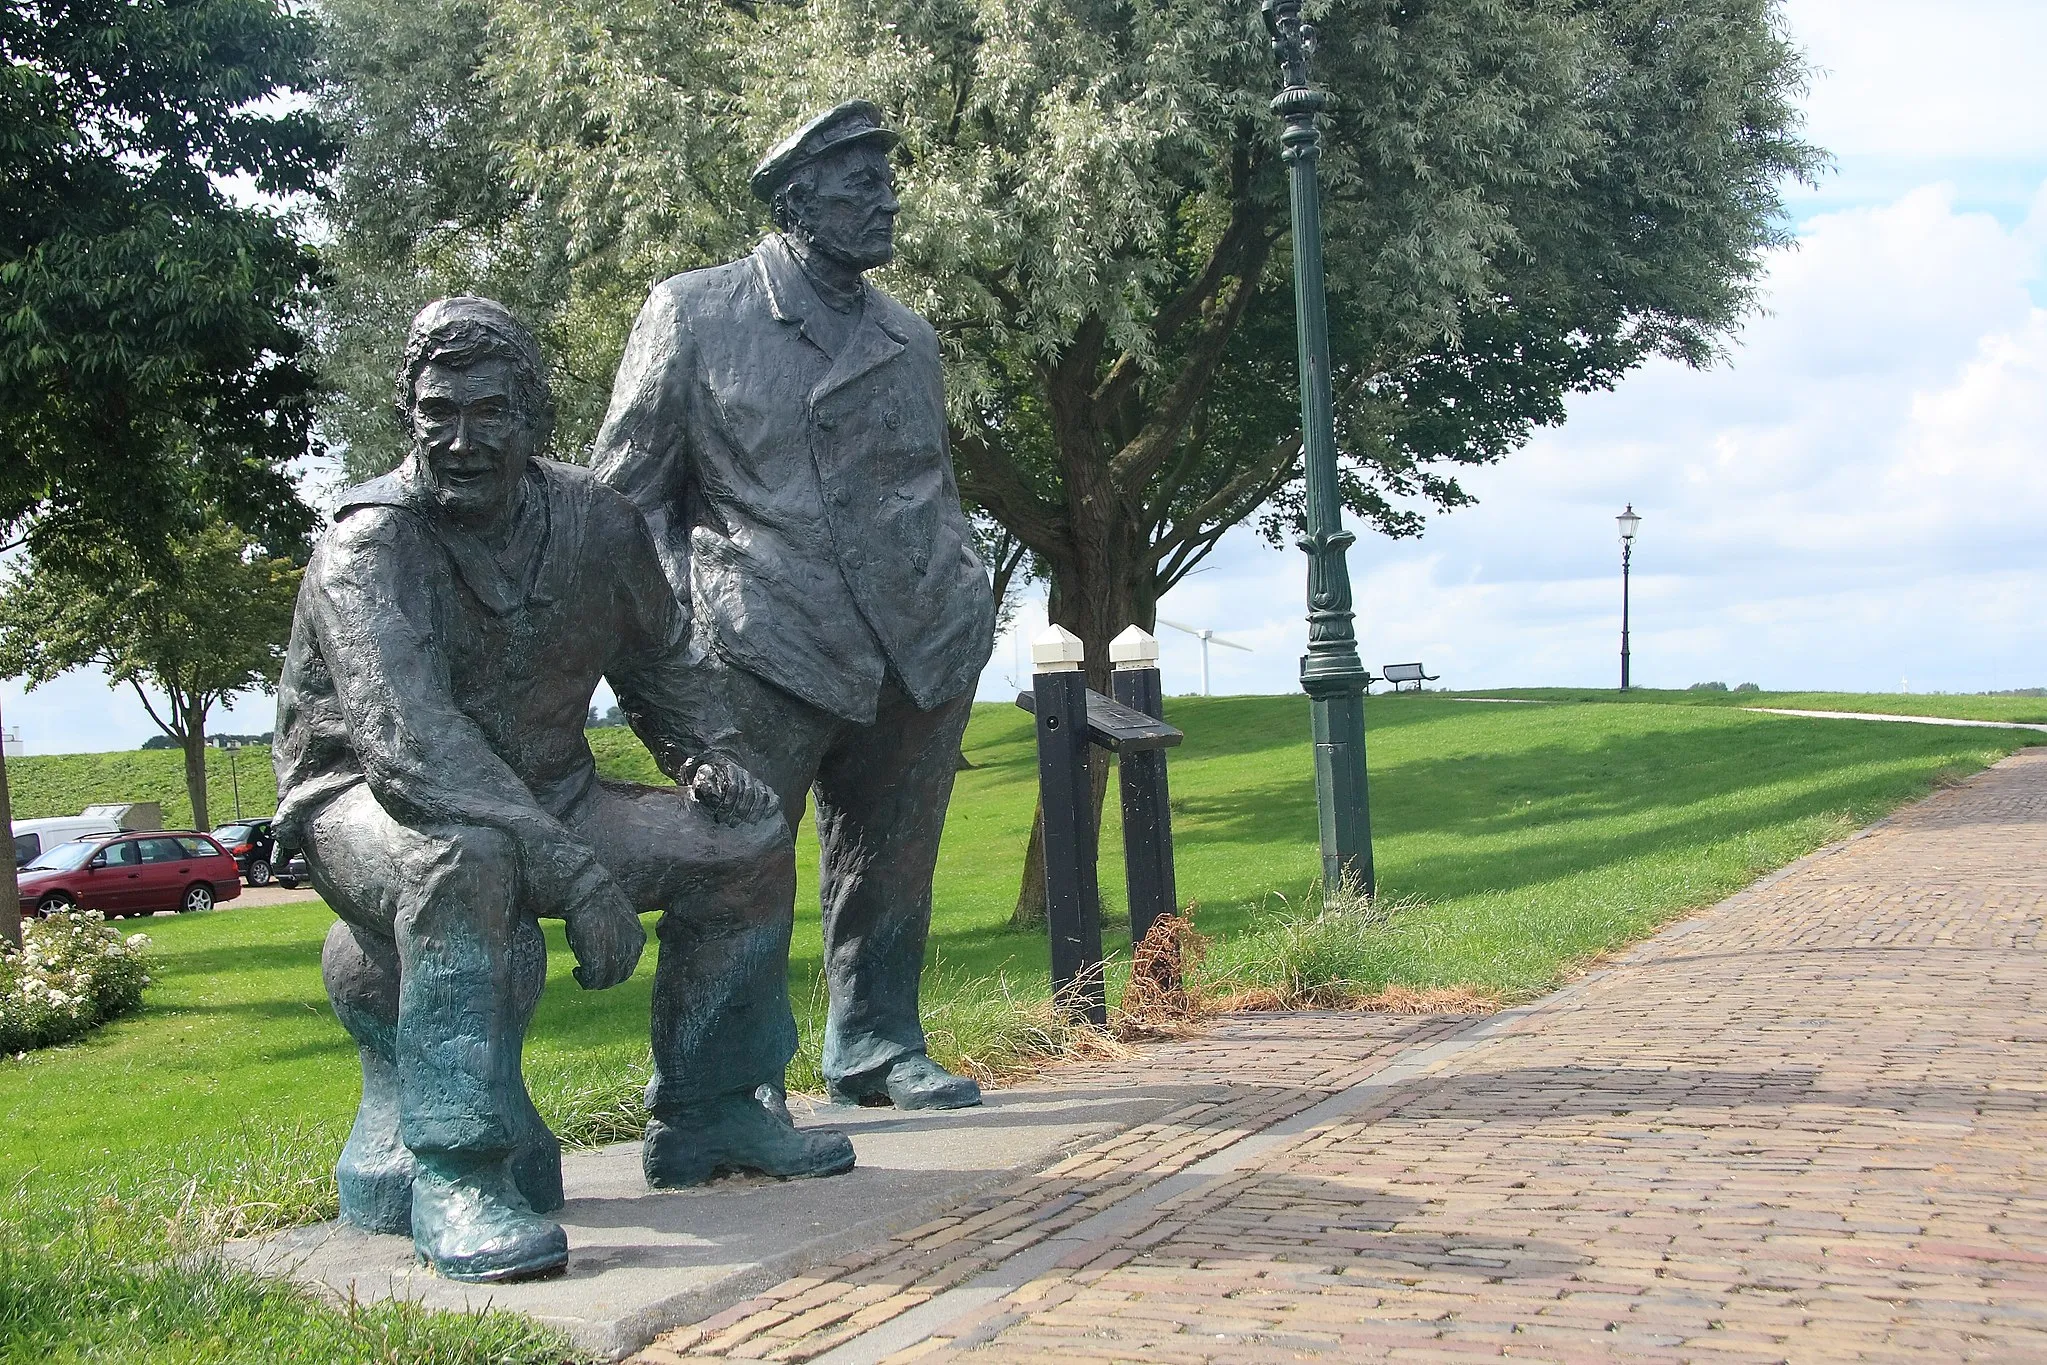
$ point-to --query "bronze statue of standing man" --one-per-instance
(781, 423)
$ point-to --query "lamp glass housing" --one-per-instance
(1629, 522)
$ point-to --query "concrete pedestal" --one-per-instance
(642, 1261)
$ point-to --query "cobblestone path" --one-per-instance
(1810, 1123)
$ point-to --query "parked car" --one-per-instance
(131, 874)
(292, 872)
(33, 837)
(254, 848)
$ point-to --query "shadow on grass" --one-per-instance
(1634, 794)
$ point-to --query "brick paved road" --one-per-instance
(1810, 1123)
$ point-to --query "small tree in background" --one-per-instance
(215, 627)
(151, 356)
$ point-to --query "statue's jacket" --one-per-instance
(804, 505)
(455, 681)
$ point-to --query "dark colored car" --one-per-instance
(292, 872)
(131, 874)
(254, 848)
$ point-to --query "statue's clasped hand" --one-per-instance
(731, 794)
(604, 933)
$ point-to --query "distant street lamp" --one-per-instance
(1629, 523)
(234, 772)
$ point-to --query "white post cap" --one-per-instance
(1134, 648)
(1058, 650)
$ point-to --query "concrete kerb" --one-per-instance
(1189, 1186)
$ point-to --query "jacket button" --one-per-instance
(839, 497)
(827, 423)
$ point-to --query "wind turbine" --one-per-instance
(1205, 636)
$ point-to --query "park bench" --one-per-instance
(1404, 677)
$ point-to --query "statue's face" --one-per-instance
(849, 211)
(472, 439)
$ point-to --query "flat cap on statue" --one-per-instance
(841, 126)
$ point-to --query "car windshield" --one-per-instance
(64, 857)
(231, 834)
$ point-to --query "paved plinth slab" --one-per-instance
(641, 1261)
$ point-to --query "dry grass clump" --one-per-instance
(1161, 999)
(986, 1030)
(1390, 1000)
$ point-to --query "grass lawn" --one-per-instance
(1525, 840)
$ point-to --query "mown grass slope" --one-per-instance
(1530, 837)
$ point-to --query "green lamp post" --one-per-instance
(1331, 673)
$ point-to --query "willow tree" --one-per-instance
(1524, 199)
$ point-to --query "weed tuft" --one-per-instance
(1337, 950)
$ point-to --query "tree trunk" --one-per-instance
(1030, 892)
(10, 889)
(193, 720)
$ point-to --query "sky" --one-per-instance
(1853, 500)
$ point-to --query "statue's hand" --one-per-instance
(605, 935)
(730, 793)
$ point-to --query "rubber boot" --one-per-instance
(912, 1081)
(737, 1134)
(470, 1223)
(536, 1162)
(375, 1171)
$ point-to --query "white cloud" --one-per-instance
(1925, 78)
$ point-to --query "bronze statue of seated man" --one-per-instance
(432, 765)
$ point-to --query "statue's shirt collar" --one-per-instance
(792, 298)
(503, 582)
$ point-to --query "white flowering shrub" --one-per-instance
(70, 974)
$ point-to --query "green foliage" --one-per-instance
(1707, 687)
(1523, 201)
(71, 974)
(151, 359)
(212, 624)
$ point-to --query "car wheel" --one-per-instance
(198, 896)
(288, 882)
(55, 903)
(259, 872)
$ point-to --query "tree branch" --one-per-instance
(1133, 465)
(992, 479)
(1243, 232)
(172, 731)
(1228, 505)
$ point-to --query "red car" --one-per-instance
(131, 874)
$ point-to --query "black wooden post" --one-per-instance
(1072, 900)
(1147, 819)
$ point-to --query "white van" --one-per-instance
(32, 838)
